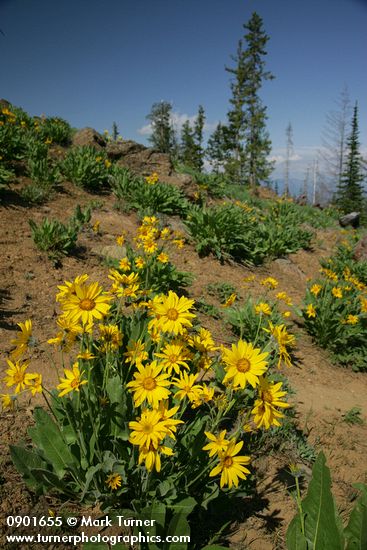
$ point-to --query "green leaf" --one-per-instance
(321, 526)
(295, 538)
(47, 436)
(356, 530)
(88, 478)
(50, 480)
(178, 526)
(25, 461)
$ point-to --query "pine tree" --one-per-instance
(217, 148)
(349, 194)
(115, 131)
(249, 143)
(198, 135)
(188, 145)
(163, 136)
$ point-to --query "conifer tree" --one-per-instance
(188, 145)
(163, 136)
(198, 134)
(217, 148)
(249, 143)
(349, 194)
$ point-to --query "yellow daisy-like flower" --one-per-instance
(16, 375)
(172, 313)
(120, 240)
(34, 383)
(68, 334)
(286, 314)
(149, 429)
(205, 396)
(69, 288)
(150, 246)
(203, 341)
(217, 443)
(244, 364)
(269, 282)
(231, 467)
(337, 292)
(179, 243)
(150, 456)
(363, 304)
(264, 411)
(114, 481)
(165, 233)
(352, 319)
(86, 355)
(111, 337)
(284, 341)
(263, 308)
(249, 279)
(96, 226)
(107, 163)
(72, 381)
(174, 357)
(7, 401)
(230, 300)
(284, 297)
(187, 387)
(89, 302)
(310, 311)
(150, 384)
(139, 262)
(124, 264)
(163, 258)
(135, 353)
(22, 340)
(315, 289)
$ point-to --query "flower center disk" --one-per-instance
(87, 304)
(172, 314)
(243, 365)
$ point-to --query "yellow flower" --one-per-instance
(72, 381)
(205, 396)
(163, 258)
(22, 340)
(284, 341)
(151, 180)
(149, 384)
(95, 226)
(232, 298)
(172, 313)
(352, 319)
(149, 429)
(107, 163)
(217, 443)
(264, 308)
(187, 387)
(111, 337)
(286, 314)
(244, 363)
(315, 289)
(179, 243)
(34, 383)
(139, 262)
(89, 302)
(150, 246)
(98, 159)
(69, 288)
(120, 240)
(150, 455)
(174, 358)
(284, 296)
(203, 341)
(135, 353)
(124, 264)
(249, 279)
(7, 401)
(48, 141)
(310, 311)
(16, 375)
(269, 282)
(68, 334)
(114, 481)
(337, 292)
(165, 233)
(363, 305)
(86, 355)
(231, 467)
(264, 411)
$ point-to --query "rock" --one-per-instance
(140, 159)
(113, 251)
(89, 137)
(350, 219)
(288, 268)
(360, 251)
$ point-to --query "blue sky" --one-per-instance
(93, 62)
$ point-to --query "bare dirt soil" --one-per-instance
(323, 392)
